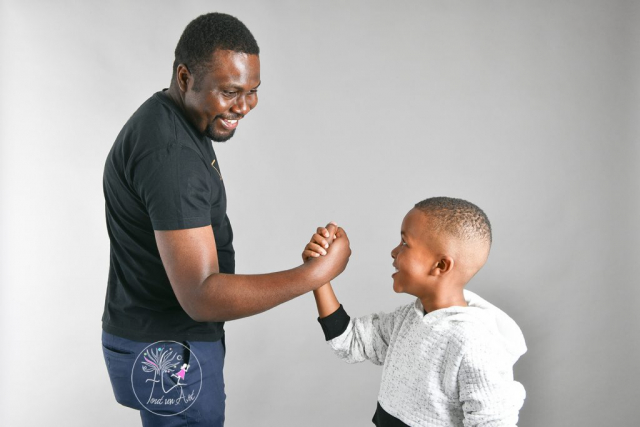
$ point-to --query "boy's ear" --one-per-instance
(443, 266)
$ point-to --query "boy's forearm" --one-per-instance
(326, 300)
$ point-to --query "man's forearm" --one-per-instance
(223, 297)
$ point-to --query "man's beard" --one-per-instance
(210, 131)
(215, 136)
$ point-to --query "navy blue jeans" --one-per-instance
(171, 383)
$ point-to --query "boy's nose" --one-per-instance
(394, 252)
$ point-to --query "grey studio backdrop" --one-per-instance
(527, 108)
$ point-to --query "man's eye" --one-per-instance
(229, 93)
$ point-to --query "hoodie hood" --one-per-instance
(499, 323)
(503, 327)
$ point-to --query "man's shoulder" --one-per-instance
(151, 139)
(153, 120)
(154, 130)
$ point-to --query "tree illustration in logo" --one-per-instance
(160, 362)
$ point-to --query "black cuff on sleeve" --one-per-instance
(335, 324)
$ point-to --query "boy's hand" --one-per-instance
(320, 241)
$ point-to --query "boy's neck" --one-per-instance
(438, 301)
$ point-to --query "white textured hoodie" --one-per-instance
(450, 367)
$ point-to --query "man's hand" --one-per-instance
(328, 250)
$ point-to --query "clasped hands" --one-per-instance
(332, 245)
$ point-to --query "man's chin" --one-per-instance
(218, 137)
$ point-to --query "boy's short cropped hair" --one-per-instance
(458, 218)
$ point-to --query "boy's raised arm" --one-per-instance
(326, 300)
(365, 338)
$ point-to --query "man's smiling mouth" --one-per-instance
(229, 124)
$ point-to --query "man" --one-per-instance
(171, 278)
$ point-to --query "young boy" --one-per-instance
(448, 357)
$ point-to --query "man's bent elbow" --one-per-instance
(202, 315)
(199, 311)
(196, 302)
(195, 316)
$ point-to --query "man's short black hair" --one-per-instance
(208, 33)
(457, 217)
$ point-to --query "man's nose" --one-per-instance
(241, 106)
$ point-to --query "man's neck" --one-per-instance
(174, 94)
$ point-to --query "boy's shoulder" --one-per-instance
(466, 324)
(483, 327)
(469, 324)
(404, 311)
(470, 339)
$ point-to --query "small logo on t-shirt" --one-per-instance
(166, 378)
(214, 166)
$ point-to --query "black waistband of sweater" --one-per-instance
(384, 419)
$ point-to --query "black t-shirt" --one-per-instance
(161, 174)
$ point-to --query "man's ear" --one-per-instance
(443, 266)
(183, 75)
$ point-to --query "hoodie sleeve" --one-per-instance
(368, 337)
(488, 393)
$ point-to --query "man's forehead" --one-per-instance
(231, 62)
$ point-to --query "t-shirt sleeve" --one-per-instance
(174, 184)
